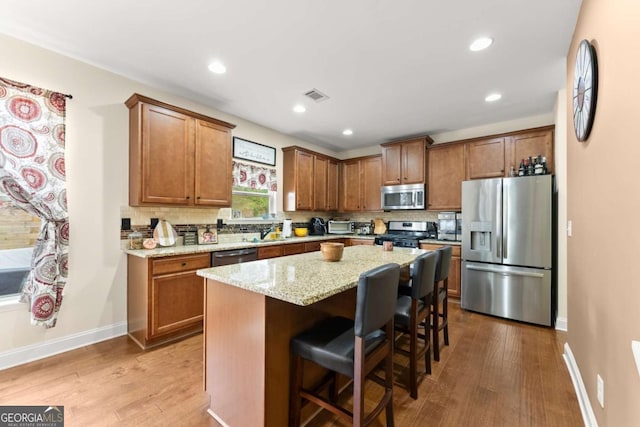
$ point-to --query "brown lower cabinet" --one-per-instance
(312, 246)
(164, 298)
(293, 249)
(454, 270)
(273, 251)
(356, 242)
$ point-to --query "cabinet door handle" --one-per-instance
(198, 197)
(188, 197)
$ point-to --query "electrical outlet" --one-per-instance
(600, 390)
(569, 228)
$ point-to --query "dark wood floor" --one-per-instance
(494, 373)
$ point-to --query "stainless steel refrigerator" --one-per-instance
(507, 245)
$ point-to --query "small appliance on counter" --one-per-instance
(450, 226)
(317, 227)
(365, 230)
(341, 227)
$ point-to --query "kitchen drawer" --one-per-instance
(177, 264)
(270, 252)
(312, 246)
(365, 242)
(455, 249)
(294, 248)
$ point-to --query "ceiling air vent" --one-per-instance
(316, 95)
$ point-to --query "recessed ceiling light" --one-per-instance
(217, 67)
(493, 97)
(299, 108)
(481, 43)
(347, 132)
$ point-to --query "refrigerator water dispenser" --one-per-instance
(480, 241)
(480, 236)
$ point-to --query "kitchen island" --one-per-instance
(251, 312)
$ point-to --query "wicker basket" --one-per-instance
(331, 251)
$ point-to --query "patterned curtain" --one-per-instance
(32, 173)
(254, 177)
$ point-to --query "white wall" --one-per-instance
(560, 155)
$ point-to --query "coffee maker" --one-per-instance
(317, 226)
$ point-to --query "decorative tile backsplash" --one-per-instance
(190, 219)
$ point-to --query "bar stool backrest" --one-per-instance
(442, 270)
(376, 298)
(424, 271)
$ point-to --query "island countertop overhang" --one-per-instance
(305, 279)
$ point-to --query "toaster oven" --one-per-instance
(340, 227)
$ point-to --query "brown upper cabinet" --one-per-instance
(485, 158)
(333, 184)
(493, 157)
(310, 180)
(446, 173)
(320, 170)
(403, 162)
(530, 144)
(177, 157)
(361, 181)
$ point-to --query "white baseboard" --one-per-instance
(217, 418)
(588, 416)
(48, 348)
(561, 324)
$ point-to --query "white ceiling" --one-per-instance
(392, 68)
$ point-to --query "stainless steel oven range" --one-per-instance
(407, 234)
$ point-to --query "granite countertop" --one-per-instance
(305, 278)
(222, 246)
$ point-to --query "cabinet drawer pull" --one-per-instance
(184, 264)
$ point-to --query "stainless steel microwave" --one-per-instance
(399, 197)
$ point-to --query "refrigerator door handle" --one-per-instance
(499, 220)
(505, 218)
(505, 273)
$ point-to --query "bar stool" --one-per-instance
(352, 348)
(412, 310)
(440, 299)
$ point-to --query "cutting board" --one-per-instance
(379, 226)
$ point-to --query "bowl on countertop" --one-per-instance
(300, 232)
(331, 251)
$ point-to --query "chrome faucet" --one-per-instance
(264, 233)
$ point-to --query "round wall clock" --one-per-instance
(585, 90)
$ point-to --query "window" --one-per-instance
(19, 233)
(249, 203)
